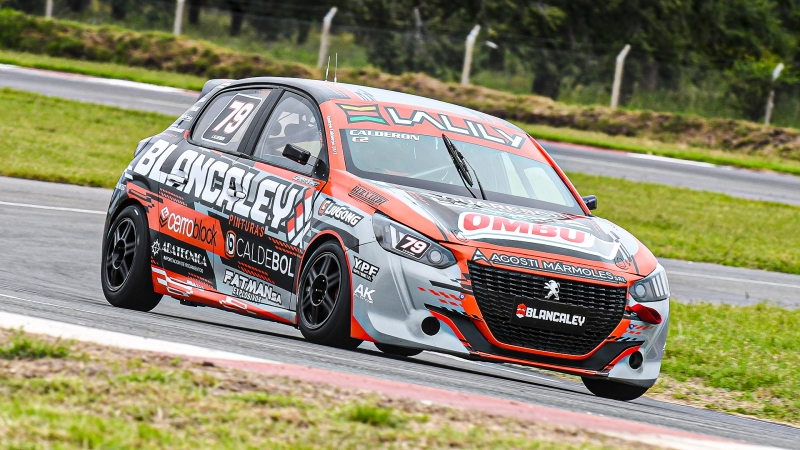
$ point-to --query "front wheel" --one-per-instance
(126, 273)
(324, 304)
(613, 390)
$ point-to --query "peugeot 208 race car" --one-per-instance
(359, 214)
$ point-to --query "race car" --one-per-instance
(359, 214)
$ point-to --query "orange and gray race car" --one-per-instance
(359, 214)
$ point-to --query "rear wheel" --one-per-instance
(324, 304)
(126, 278)
(396, 350)
(613, 390)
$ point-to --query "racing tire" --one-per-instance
(396, 350)
(613, 390)
(324, 300)
(126, 273)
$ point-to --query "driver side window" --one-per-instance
(292, 122)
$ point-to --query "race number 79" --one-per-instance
(412, 245)
(230, 120)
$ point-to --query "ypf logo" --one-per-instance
(163, 217)
(521, 310)
(553, 288)
(230, 244)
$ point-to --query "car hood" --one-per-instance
(521, 229)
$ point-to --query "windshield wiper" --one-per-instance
(461, 164)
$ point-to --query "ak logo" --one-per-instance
(364, 113)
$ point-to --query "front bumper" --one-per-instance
(404, 293)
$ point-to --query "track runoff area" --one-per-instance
(68, 298)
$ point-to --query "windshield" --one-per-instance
(422, 161)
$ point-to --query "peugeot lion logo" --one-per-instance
(553, 287)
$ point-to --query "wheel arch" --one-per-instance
(318, 240)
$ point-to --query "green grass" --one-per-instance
(700, 226)
(22, 346)
(752, 352)
(59, 140)
(640, 145)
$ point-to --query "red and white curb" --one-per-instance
(633, 431)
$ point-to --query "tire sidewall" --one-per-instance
(336, 329)
(136, 292)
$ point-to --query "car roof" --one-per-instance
(323, 91)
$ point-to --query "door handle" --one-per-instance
(235, 190)
(177, 178)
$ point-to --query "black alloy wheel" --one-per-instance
(126, 273)
(613, 390)
(120, 253)
(324, 303)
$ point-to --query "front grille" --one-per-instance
(496, 291)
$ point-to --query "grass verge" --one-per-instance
(647, 146)
(740, 360)
(559, 134)
(110, 398)
(71, 142)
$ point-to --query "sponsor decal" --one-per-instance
(363, 113)
(469, 128)
(364, 269)
(518, 212)
(362, 135)
(192, 260)
(257, 254)
(275, 205)
(364, 293)
(224, 127)
(579, 271)
(196, 229)
(487, 226)
(251, 289)
(339, 212)
(543, 265)
(246, 225)
(306, 180)
(368, 196)
(524, 311)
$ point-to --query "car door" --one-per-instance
(201, 182)
(265, 240)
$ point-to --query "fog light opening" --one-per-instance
(635, 360)
(430, 326)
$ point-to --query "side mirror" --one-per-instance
(591, 201)
(296, 154)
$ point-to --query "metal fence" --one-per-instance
(574, 77)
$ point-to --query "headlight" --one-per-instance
(401, 240)
(651, 288)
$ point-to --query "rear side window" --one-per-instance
(225, 121)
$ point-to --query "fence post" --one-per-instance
(618, 75)
(323, 40)
(176, 28)
(771, 99)
(48, 9)
(468, 54)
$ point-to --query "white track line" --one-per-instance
(739, 280)
(112, 338)
(53, 208)
(671, 160)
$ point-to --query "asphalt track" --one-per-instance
(637, 167)
(50, 237)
